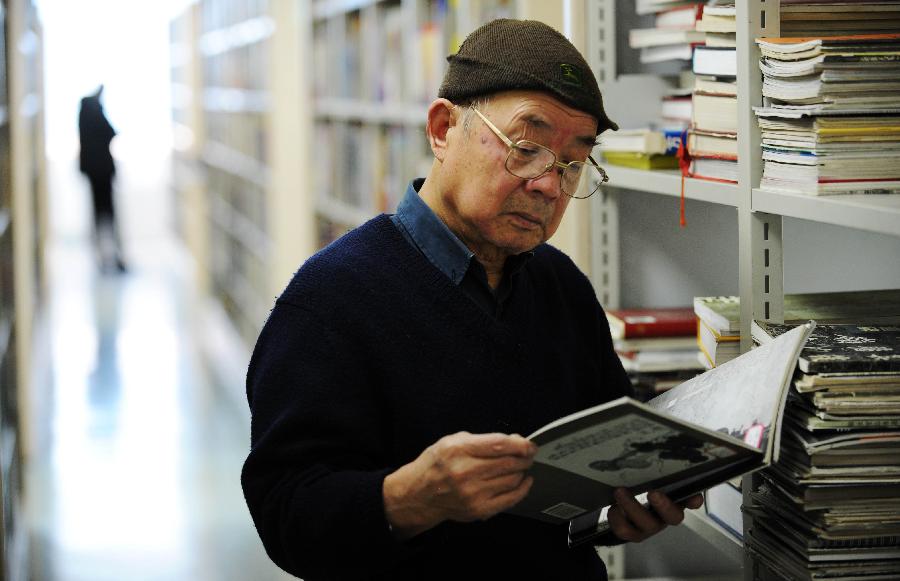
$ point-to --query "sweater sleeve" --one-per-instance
(313, 478)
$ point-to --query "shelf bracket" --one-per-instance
(768, 267)
(605, 247)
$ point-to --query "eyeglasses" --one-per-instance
(529, 160)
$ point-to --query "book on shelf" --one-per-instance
(652, 322)
(719, 168)
(876, 307)
(718, 19)
(717, 348)
(638, 160)
(682, 17)
(672, 343)
(677, 109)
(643, 7)
(649, 37)
(842, 348)
(664, 43)
(666, 52)
(846, 18)
(715, 86)
(712, 144)
(649, 361)
(715, 61)
(716, 113)
(643, 140)
(717, 426)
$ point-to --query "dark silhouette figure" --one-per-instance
(97, 164)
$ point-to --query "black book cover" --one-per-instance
(845, 348)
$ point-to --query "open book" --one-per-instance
(716, 426)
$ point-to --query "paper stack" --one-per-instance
(831, 120)
(712, 140)
(657, 346)
(830, 507)
(815, 18)
(674, 33)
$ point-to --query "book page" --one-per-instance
(630, 450)
(741, 397)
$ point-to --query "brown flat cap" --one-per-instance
(506, 54)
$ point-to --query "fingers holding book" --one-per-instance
(634, 520)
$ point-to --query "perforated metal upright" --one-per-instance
(604, 239)
(761, 266)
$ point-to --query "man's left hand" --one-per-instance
(630, 521)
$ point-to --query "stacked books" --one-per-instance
(719, 22)
(657, 346)
(718, 329)
(815, 18)
(830, 506)
(831, 120)
(712, 140)
(641, 148)
(674, 33)
(722, 315)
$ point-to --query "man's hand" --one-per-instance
(462, 477)
(630, 521)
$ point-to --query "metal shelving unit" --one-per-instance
(761, 214)
(668, 183)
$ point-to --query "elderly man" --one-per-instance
(397, 370)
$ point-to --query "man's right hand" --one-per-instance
(462, 477)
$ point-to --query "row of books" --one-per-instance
(680, 26)
(238, 68)
(366, 168)
(657, 347)
(831, 120)
(367, 54)
(801, 18)
(243, 132)
(218, 14)
(830, 506)
(702, 106)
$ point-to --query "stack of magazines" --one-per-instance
(830, 122)
(819, 17)
(830, 507)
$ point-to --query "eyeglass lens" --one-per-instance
(529, 160)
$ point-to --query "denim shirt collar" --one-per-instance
(422, 227)
(439, 245)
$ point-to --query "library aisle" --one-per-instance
(135, 473)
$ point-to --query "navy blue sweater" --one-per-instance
(370, 356)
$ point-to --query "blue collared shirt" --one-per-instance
(422, 228)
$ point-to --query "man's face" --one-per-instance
(495, 213)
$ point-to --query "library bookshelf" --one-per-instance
(775, 235)
(377, 64)
(22, 236)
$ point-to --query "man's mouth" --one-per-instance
(526, 220)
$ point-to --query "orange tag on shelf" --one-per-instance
(684, 162)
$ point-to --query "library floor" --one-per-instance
(138, 453)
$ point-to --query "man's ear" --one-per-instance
(442, 116)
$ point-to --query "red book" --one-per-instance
(662, 322)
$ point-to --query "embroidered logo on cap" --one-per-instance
(571, 75)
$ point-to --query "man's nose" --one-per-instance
(548, 185)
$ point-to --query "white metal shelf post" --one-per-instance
(759, 236)
(755, 18)
(604, 239)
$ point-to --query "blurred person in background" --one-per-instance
(97, 164)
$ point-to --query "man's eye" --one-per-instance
(527, 150)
